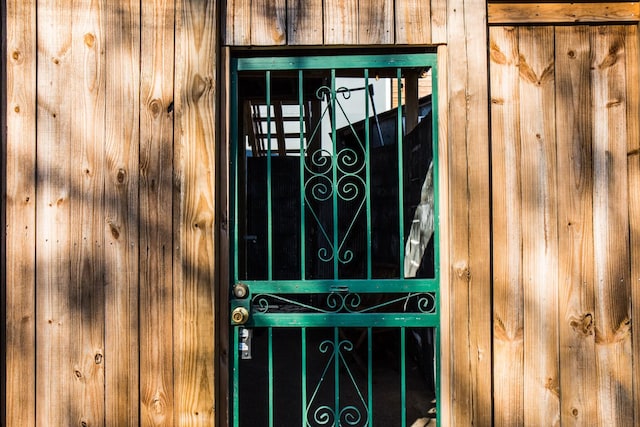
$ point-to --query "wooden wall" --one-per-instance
(111, 121)
(110, 174)
(111, 130)
(565, 178)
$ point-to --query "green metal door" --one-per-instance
(335, 272)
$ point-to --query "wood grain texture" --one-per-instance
(303, 25)
(539, 233)
(470, 318)
(376, 26)
(557, 13)
(122, 143)
(438, 22)
(57, 300)
(237, 19)
(575, 225)
(268, 23)
(156, 225)
(508, 299)
(86, 201)
(340, 22)
(413, 22)
(18, 119)
(444, 174)
(633, 171)
(195, 213)
(610, 222)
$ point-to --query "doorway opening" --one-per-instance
(334, 309)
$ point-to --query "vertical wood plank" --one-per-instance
(413, 22)
(438, 21)
(470, 319)
(86, 226)
(156, 226)
(303, 25)
(18, 120)
(445, 404)
(575, 226)
(122, 142)
(508, 298)
(340, 22)
(237, 19)
(633, 161)
(610, 222)
(478, 211)
(55, 298)
(539, 233)
(195, 212)
(376, 24)
(268, 23)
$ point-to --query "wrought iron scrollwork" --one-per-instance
(352, 414)
(338, 174)
(339, 302)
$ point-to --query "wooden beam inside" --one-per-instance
(562, 13)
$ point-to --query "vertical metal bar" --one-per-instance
(436, 236)
(303, 373)
(235, 394)
(236, 382)
(400, 174)
(370, 376)
(336, 374)
(367, 160)
(303, 273)
(334, 157)
(436, 181)
(403, 378)
(436, 354)
(271, 379)
(269, 183)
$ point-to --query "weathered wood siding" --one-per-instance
(337, 22)
(564, 108)
(110, 237)
(109, 228)
(110, 143)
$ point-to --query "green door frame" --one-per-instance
(247, 294)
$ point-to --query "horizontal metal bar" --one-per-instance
(362, 320)
(337, 62)
(351, 285)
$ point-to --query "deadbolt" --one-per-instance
(239, 315)
(240, 290)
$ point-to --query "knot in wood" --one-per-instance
(121, 176)
(89, 39)
(198, 87)
(155, 106)
(582, 325)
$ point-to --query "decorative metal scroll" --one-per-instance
(337, 174)
(319, 413)
(339, 302)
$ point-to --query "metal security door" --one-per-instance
(335, 279)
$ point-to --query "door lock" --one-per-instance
(240, 290)
(239, 316)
